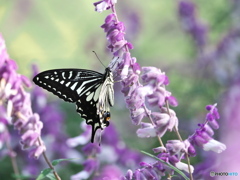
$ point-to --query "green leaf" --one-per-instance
(44, 174)
(57, 161)
(51, 176)
(21, 176)
(169, 165)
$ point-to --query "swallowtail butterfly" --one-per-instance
(90, 90)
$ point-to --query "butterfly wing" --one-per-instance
(82, 87)
(88, 111)
(69, 84)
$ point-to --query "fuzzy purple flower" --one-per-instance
(225, 61)
(19, 104)
(203, 135)
(198, 31)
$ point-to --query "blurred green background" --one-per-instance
(63, 34)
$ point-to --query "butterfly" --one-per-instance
(91, 91)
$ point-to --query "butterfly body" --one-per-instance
(90, 90)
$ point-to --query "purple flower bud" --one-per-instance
(109, 18)
(136, 68)
(129, 175)
(139, 175)
(129, 45)
(144, 164)
(162, 121)
(108, 27)
(207, 129)
(115, 47)
(129, 84)
(214, 145)
(147, 130)
(159, 150)
(120, 26)
(104, 5)
(176, 147)
(200, 139)
(157, 98)
(125, 65)
(152, 73)
(172, 101)
(137, 98)
(184, 167)
(37, 151)
(191, 151)
(137, 115)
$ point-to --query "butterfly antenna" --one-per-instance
(98, 58)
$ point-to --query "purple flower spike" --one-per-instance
(19, 104)
(212, 116)
(149, 90)
(203, 135)
(191, 23)
(104, 5)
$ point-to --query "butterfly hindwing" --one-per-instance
(87, 110)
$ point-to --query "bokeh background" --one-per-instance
(197, 45)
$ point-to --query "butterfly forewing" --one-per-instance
(69, 84)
